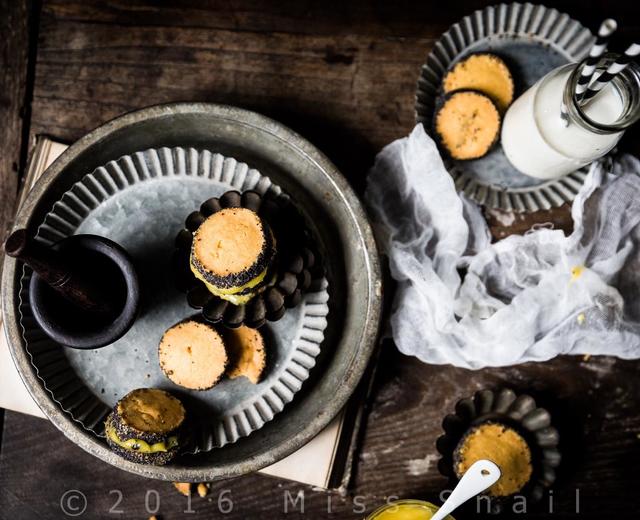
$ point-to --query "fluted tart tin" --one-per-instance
(166, 182)
(517, 414)
(532, 40)
(293, 272)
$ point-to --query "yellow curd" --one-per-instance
(406, 510)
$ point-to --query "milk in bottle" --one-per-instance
(540, 143)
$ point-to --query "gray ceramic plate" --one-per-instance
(532, 40)
(345, 242)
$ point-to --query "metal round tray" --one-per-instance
(532, 40)
(344, 239)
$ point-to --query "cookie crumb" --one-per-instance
(183, 488)
(203, 489)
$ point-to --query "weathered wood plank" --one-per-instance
(348, 94)
(343, 75)
(594, 405)
(14, 56)
(404, 18)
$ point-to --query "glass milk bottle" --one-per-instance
(542, 142)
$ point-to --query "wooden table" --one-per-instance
(343, 75)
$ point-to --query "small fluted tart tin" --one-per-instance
(517, 412)
(139, 201)
(290, 275)
(532, 40)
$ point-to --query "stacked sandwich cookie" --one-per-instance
(146, 426)
(232, 252)
(243, 259)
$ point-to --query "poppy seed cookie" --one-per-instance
(145, 426)
(193, 355)
(231, 253)
(484, 72)
(467, 124)
(247, 353)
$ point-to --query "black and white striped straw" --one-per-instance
(612, 71)
(607, 28)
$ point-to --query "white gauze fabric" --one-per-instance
(524, 298)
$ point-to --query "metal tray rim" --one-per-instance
(371, 311)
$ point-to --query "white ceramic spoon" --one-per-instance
(481, 475)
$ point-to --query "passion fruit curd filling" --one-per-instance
(231, 294)
(506, 448)
(139, 445)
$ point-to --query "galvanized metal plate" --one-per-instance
(329, 206)
(532, 40)
(140, 201)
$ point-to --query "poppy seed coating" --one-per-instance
(193, 355)
(231, 248)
